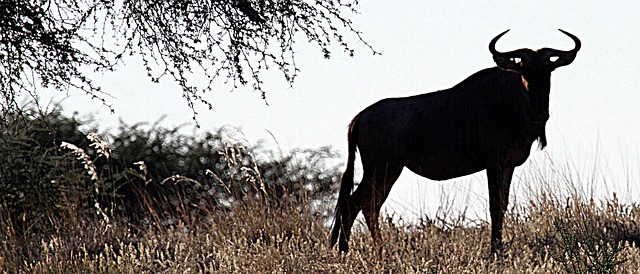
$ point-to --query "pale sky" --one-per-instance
(428, 46)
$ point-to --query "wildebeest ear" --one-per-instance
(565, 59)
(505, 62)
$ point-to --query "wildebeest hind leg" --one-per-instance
(384, 178)
(355, 203)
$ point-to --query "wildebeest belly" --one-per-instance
(445, 167)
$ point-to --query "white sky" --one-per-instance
(428, 46)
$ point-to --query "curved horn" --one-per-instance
(575, 40)
(492, 44)
(504, 59)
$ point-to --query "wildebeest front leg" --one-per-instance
(499, 179)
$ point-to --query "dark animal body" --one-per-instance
(488, 122)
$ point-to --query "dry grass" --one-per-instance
(551, 232)
(546, 237)
(254, 239)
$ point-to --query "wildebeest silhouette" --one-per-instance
(488, 122)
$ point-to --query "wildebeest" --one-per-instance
(488, 122)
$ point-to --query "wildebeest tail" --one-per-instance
(346, 186)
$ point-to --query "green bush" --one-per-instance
(56, 171)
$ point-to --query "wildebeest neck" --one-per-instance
(537, 86)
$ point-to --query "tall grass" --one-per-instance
(546, 231)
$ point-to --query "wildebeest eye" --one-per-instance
(515, 60)
(554, 58)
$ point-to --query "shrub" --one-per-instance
(53, 176)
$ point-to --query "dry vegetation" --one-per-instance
(550, 233)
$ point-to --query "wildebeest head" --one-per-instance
(535, 68)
